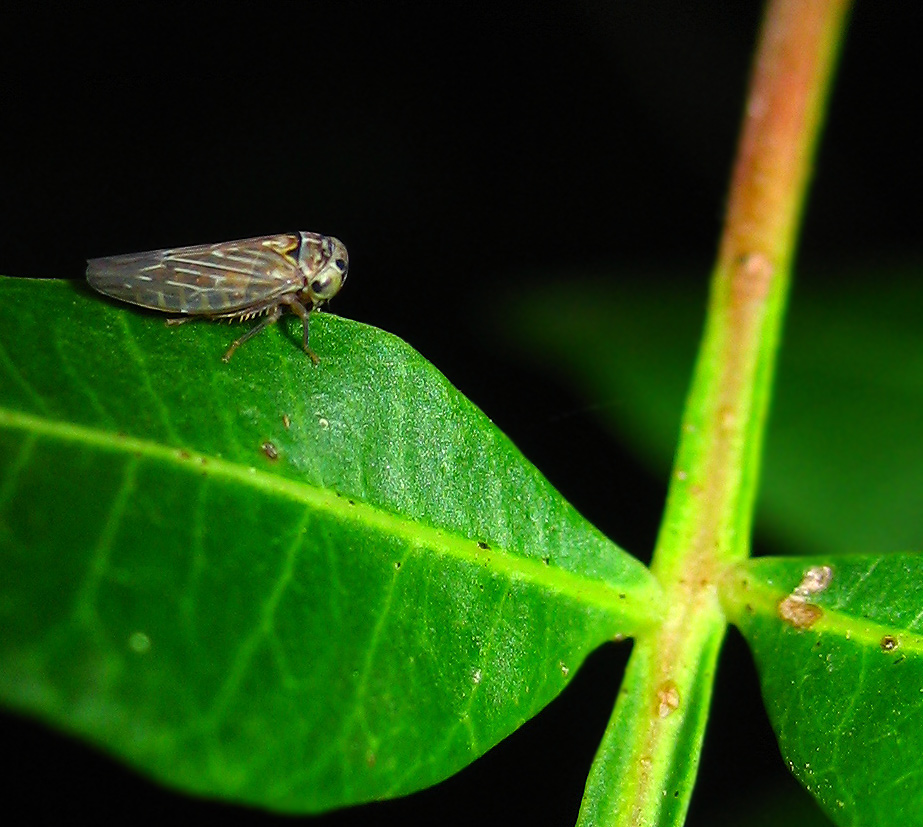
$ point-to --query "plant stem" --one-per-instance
(712, 489)
(645, 768)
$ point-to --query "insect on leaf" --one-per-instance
(234, 280)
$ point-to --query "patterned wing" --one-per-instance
(211, 279)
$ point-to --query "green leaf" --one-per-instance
(295, 586)
(838, 642)
(843, 463)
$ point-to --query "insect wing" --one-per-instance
(211, 279)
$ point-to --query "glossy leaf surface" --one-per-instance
(293, 586)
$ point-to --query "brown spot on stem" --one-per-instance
(667, 698)
(752, 277)
(727, 418)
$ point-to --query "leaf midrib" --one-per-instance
(581, 589)
(762, 598)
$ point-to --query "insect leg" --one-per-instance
(303, 313)
(272, 316)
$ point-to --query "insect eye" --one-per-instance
(341, 265)
(325, 287)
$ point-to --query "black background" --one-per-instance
(458, 149)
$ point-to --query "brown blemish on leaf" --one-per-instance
(269, 450)
(889, 643)
(799, 613)
(482, 545)
(815, 580)
(795, 608)
(286, 421)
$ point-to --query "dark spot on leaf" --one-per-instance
(546, 561)
(622, 596)
(184, 454)
(749, 608)
(483, 545)
(889, 643)
(270, 450)
(350, 502)
(397, 565)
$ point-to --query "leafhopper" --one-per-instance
(237, 280)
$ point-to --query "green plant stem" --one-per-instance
(645, 768)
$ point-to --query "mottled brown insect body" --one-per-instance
(235, 280)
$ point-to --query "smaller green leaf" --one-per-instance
(838, 643)
(300, 587)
